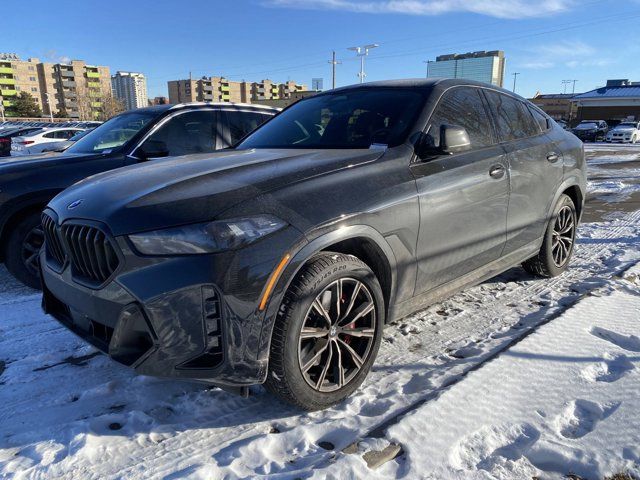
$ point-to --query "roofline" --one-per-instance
(221, 104)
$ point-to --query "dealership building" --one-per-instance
(618, 100)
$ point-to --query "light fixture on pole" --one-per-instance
(363, 52)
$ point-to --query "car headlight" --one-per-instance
(209, 237)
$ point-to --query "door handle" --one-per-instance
(497, 171)
(552, 157)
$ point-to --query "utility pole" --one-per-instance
(515, 76)
(363, 52)
(333, 63)
(573, 89)
(49, 106)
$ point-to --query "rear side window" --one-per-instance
(540, 119)
(243, 123)
(462, 107)
(512, 117)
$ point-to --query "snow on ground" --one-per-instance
(68, 412)
(562, 401)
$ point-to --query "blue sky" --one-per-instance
(546, 41)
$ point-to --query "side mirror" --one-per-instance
(152, 149)
(454, 139)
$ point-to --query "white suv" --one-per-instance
(625, 132)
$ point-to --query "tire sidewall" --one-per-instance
(552, 268)
(13, 251)
(295, 315)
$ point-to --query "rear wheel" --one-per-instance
(21, 255)
(328, 332)
(559, 240)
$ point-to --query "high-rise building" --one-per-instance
(481, 66)
(131, 89)
(220, 89)
(75, 89)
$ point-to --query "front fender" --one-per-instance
(317, 243)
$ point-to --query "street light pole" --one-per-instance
(515, 75)
(363, 52)
(49, 105)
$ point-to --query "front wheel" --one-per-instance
(327, 333)
(559, 239)
(21, 255)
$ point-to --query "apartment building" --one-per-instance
(17, 76)
(208, 89)
(220, 89)
(75, 89)
(131, 89)
(481, 66)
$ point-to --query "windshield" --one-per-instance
(79, 135)
(353, 119)
(585, 126)
(113, 133)
(626, 125)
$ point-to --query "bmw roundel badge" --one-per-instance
(74, 204)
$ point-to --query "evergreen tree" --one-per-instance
(25, 106)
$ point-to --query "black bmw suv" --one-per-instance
(28, 183)
(280, 261)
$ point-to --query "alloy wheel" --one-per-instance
(563, 236)
(31, 246)
(337, 335)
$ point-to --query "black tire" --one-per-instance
(545, 264)
(285, 377)
(16, 252)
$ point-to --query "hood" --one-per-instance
(42, 160)
(194, 188)
(628, 129)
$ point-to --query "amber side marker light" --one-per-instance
(272, 281)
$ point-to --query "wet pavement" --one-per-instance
(613, 181)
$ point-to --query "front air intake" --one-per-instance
(92, 253)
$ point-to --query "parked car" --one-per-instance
(62, 146)
(625, 132)
(591, 130)
(132, 137)
(279, 261)
(8, 134)
(32, 143)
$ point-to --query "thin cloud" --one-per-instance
(566, 49)
(493, 8)
(538, 65)
(572, 54)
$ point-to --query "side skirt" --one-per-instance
(475, 277)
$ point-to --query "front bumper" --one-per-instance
(192, 317)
